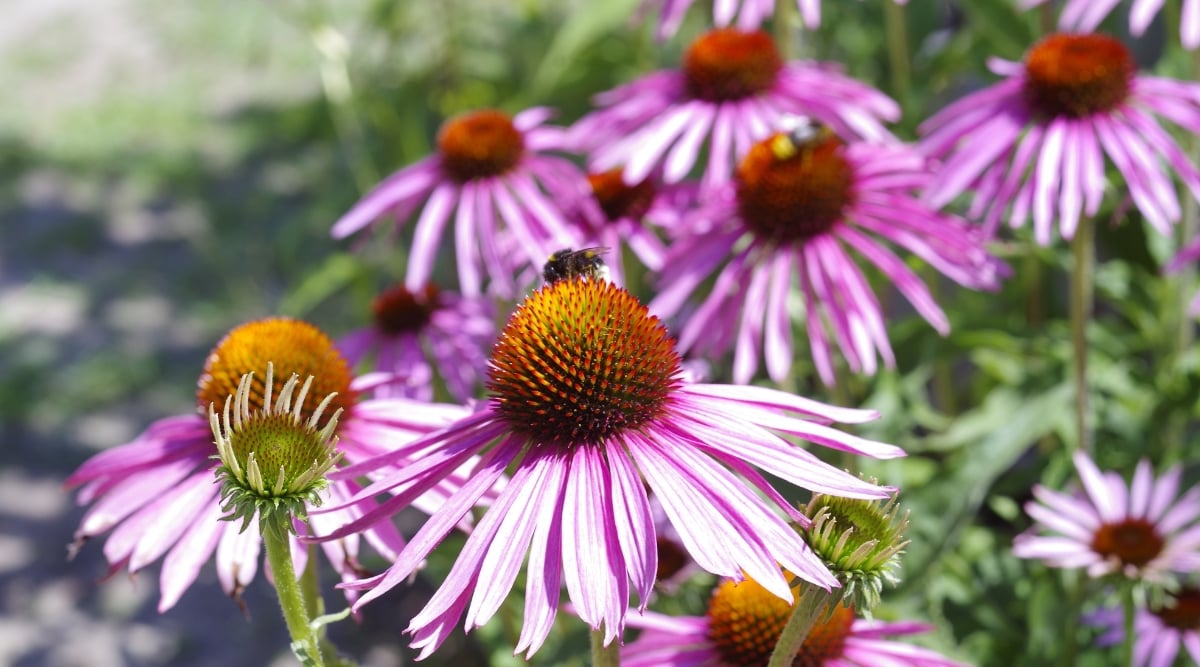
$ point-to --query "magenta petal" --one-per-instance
(593, 569)
(634, 524)
(407, 183)
(182, 565)
(130, 494)
(439, 524)
(172, 520)
(237, 556)
(774, 398)
(505, 550)
(543, 576)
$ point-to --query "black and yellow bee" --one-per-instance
(804, 133)
(567, 263)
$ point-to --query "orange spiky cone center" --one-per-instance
(795, 195)
(1077, 75)
(745, 621)
(580, 361)
(292, 346)
(479, 144)
(727, 64)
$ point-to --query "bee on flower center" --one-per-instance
(800, 133)
(585, 263)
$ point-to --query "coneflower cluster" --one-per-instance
(529, 380)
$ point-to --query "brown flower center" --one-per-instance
(1184, 612)
(745, 621)
(1133, 542)
(790, 196)
(479, 144)
(728, 64)
(579, 361)
(1077, 75)
(399, 311)
(294, 347)
(619, 200)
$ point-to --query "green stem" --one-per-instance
(1035, 307)
(339, 95)
(1185, 331)
(1127, 606)
(1171, 17)
(310, 586)
(605, 656)
(896, 31)
(808, 609)
(1076, 583)
(1083, 246)
(314, 604)
(942, 382)
(291, 601)
(785, 31)
(1046, 21)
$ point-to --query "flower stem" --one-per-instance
(291, 601)
(1185, 332)
(604, 656)
(1083, 247)
(1076, 592)
(808, 609)
(785, 30)
(314, 605)
(1127, 607)
(896, 31)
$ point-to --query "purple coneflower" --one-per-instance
(1037, 140)
(1086, 15)
(792, 213)
(750, 14)
(1159, 632)
(733, 89)
(498, 178)
(415, 332)
(159, 496)
(1142, 530)
(589, 410)
(627, 215)
(744, 622)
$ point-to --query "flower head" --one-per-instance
(861, 541)
(1086, 15)
(744, 622)
(416, 334)
(794, 210)
(497, 176)
(1038, 139)
(1143, 530)
(589, 411)
(1159, 631)
(158, 494)
(624, 214)
(731, 91)
(272, 461)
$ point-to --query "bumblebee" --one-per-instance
(802, 133)
(567, 263)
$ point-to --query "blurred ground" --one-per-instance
(153, 171)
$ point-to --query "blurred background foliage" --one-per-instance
(172, 169)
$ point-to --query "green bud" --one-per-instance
(272, 462)
(861, 542)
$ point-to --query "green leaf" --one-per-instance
(333, 275)
(585, 27)
(988, 441)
